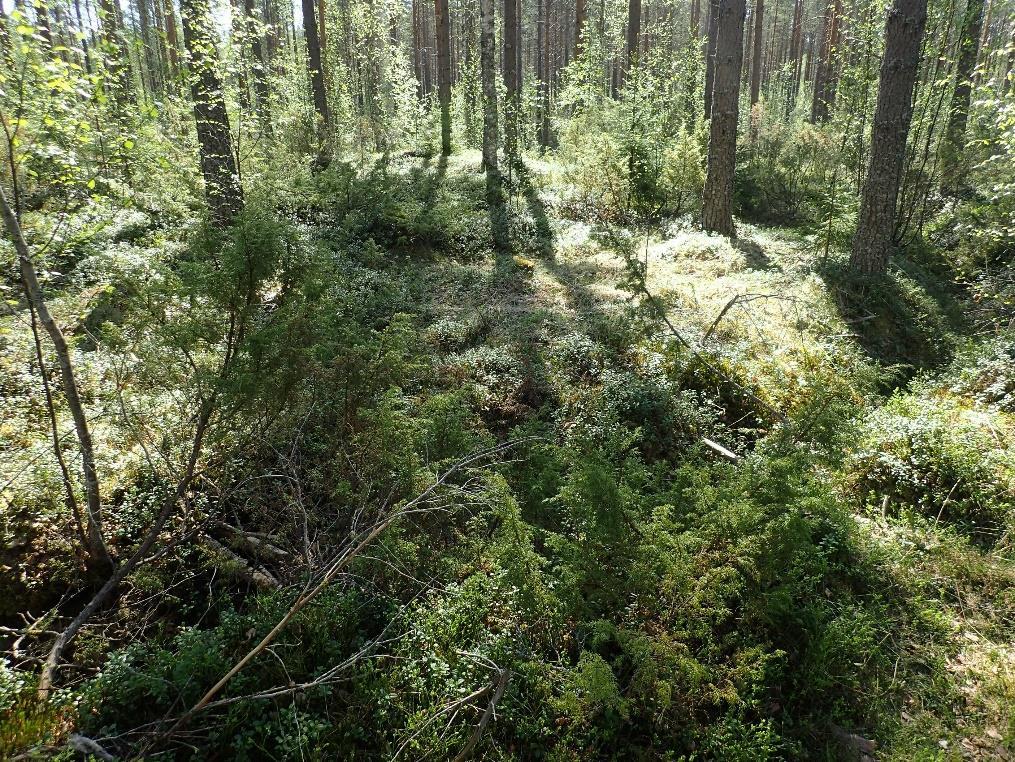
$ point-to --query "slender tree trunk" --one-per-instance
(96, 545)
(510, 56)
(759, 42)
(955, 133)
(488, 73)
(218, 165)
(172, 38)
(717, 198)
(443, 39)
(892, 117)
(579, 27)
(795, 52)
(710, 49)
(259, 67)
(825, 83)
(314, 67)
(633, 33)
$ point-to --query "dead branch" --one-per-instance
(352, 549)
(502, 682)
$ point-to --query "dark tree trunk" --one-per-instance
(542, 72)
(314, 66)
(443, 38)
(488, 73)
(717, 198)
(633, 33)
(258, 66)
(172, 38)
(579, 27)
(795, 53)
(825, 83)
(510, 58)
(218, 165)
(955, 132)
(710, 48)
(759, 41)
(892, 116)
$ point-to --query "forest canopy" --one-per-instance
(507, 379)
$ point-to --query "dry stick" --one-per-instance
(61, 643)
(502, 681)
(68, 486)
(96, 543)
(343, 559)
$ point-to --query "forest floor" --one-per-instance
(771, 309)
(771, 304)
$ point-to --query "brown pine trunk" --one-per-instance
(258, 66)
(892, 116)
(824, 77)
(955, 133)
(710, 48)
(488, 74)
(717, 198)
(172, 38)
(510, 64)
(759, 43)
(542, 71)
(218, 165)
(443, 39)
(633, 33)
(314, 66)
(579, 27)
(795, 52)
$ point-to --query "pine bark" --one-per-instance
(955, 133)
(315, 68)
(218, 165)
(510, 58)
(443, 39)
(262, 93)
(893, 114)
(579, 27)
(710, 48)
(633, 33)
(759, 41)
(488, 74)
(825, 81)
(717, 198)
(172, 38)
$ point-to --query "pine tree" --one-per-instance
(892, 117)
(717, 198)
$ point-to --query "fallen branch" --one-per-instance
(343, 558)
(240, 566)
(65, 638)
(502, 682)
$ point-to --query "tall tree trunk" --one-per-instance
(955, 133)
(717, 198)
(172, 38)
(314, 68)
(488, 73)
(218, 165)
(260, 71)
(511, 79)
(633, 34)
(96, 546)
(579, 27)
(443, 38)
(759, 41)
(795, 52)
(825, 83)
(710, 48)
(892, 117)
